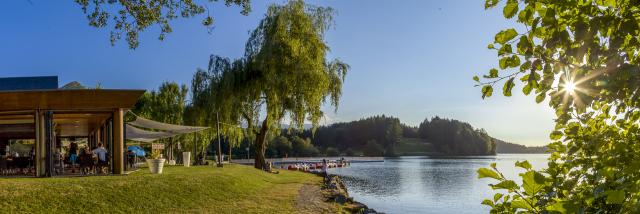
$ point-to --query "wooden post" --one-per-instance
(118, 141)
(39, 159)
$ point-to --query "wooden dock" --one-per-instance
(278, 161)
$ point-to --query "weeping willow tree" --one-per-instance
(284, 74)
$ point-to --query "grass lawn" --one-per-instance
(202, 189)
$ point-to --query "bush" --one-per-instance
(373, 149)
(349, 152)
(332, 152)
(304, 148)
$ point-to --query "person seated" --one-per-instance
(268, 168)
(101, 153)
(86, 162)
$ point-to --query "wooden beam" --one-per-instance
(89, 99)
(118, 141)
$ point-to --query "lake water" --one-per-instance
(429, 184)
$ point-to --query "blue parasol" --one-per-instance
(137, 150)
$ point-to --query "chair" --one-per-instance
(86, 163)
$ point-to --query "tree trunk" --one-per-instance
(229, 144)
(261, 146)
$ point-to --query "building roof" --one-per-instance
(59, 99)
(28, 83)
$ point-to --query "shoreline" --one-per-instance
(337, 191)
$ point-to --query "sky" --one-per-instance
(412, 59)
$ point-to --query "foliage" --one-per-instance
(331, 152)
(283, 146)
(372, 148)
(166, 105)
(284, 72)
(156, 154)
(132, 17)
(456, 138)
(503, 147)
(592, 45)
(383, 129)
(303, 148)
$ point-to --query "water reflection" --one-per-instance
(376, 179)
(427, 185)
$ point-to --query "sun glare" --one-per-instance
(570, 87)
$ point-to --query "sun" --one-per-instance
(570, 87)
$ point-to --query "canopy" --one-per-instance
(136, 130)
(177, 129)
(142, 135)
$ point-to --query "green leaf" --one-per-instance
(526, 15)
(504, 62)
(563, 207)
(505, 49)
(524, 164)
(497, 197)
(527, 89)
(508, 86)
(487, 202)
(541, 97)
(523, 45)
(490, 46)
(532, 182)
(514, 61)
(510, 9)
(506, 184)
(556, 135)
(488, 173)
(521, 204)
(615, 196)
(493, 73)
(476, 78)
(487, 90)
(490, 3)
(505, 36)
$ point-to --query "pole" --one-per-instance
(219, 148)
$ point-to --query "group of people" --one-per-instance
(90, 161)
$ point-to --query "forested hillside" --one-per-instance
(454, 137)
(503, 147)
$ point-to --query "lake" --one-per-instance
(429, 184)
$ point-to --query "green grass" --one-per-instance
(203, 189)
(414, 146)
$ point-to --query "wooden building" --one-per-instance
(46, 117)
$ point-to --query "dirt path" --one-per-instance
(311, 200)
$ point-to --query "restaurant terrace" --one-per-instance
(40, 122)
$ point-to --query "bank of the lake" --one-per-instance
(425, 184)
(203, 189)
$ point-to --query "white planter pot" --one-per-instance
(186, 159)
(155, 165)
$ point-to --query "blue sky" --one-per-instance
(412, 59)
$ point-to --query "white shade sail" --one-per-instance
(137, 134)
(136, 130)
(165, 127)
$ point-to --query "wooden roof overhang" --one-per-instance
(69, 99)
(76, 112)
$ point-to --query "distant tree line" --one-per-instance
(512, 148)
(379, 135)
(454, 137)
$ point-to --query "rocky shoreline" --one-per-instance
(337, 191)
